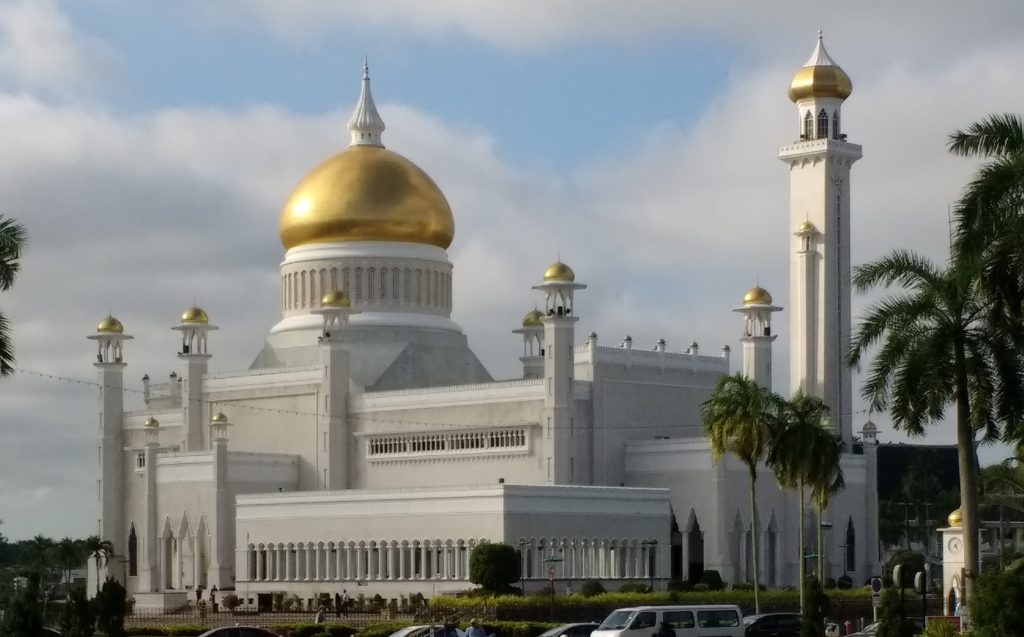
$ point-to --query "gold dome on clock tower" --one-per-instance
(366, 193)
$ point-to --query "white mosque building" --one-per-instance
(368, 449)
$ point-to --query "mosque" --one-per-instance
(368, 449)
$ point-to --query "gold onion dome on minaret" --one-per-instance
(194, 314)
(335, 298)
(220, 418)
(110, 325)
(152, 422)
(955, 519)
(532, 319)
(806, 227)
(366, 193)
(757, 296)
(559, 271)
(820, 77)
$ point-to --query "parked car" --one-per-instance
(772, 625)
(699, 620)
(422, 630)
(872, 629)
(239, 631)
(571, 630)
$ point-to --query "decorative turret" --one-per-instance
(757, 309)
(533, 344)
(109, 337)
(366, 124)
(335, 309)
(219, 427)
(558, 287)
(194, 327)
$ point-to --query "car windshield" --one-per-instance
(616, 621)
(748, 620)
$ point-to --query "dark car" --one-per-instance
(239, 631)
(772, 625)
(571, 630)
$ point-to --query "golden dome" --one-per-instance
(366, 193)
(110, 325)
(194, 314)
(220, 418)
(954, 518)
(532, 319)
(820, 77)
(757, 296)
(335, 298)
(559, 271)
(152, 422)
(806, 226)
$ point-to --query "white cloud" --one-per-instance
(40, 50)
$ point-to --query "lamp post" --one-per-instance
(651, 546)
(522, 567)
(551, 561)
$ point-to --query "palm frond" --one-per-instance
(995, 135)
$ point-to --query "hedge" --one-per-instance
(292, 630)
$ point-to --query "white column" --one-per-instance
(349, 563)
(317, 556)
(197, 561)
(402, 574)
(382, 560)
(392, 561)
(360, 561)
(307, 575)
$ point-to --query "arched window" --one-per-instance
(808, 126)
(851, 547)
(133, 553)
(822, 125)
(835, 124)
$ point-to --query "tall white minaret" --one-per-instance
(195, 325)
(110, 365)
(757, 310)
(819, 214)
(333, 459)
(559, 373)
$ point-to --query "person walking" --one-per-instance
(346, 601)
(321, 615)
(337, 605)
(213, 598)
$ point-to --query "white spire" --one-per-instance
(820, 56)
(366, 124)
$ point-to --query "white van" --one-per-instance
(704, 620)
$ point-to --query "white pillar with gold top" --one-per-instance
(952, 564)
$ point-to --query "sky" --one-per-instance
(148, 149)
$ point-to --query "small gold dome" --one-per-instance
(219, 418)
(955, 518)
(152, 422)
(110, 325)
(335, 298)
(366, 193)
(194, 314)
(559, 271)
(532, 319)
(806, 227)
(757, 296)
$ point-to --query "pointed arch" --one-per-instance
(808, 132)
(850, 552)
(694, 548)
(133, 552)
(771, 557)
(822, 132)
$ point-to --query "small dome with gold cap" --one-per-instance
(335, 298)
(806, 228)
(532, 319)
(820, 77)
(366, 193)
(757, 296)
(955, 519)
(152, 422)
(219, 419)
(110, 325)
(559, 271)
(194, 314)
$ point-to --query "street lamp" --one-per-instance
(551, 561)
(651, 546)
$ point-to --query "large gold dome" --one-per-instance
(820, 81)
(367, 193)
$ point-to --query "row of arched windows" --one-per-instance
(818, 127)
(415, 286)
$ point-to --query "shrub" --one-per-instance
(231, 601)
(494, 567)
(701, 587)
(311, 630)
(680, 586)
(910, 564)
(997, 605)
(815, 608)
(634, 587)
(184, 630)
(844, 583)
(892, 616)
(111, 605)
(591, 587)
(713, 580)
(78, 619)
(381, 629)
(748, 586)
(939, 629)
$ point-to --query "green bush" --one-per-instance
(111, 605)
(815, 609)
(939, 629)
(997, 605)
(591, 587)
(494, 567)
(701, 587)
(78, 618)
(713, 580)
(514, 629)
(380, 629)
(893, 616)
(910, 563)
(680, 586)
(634, 587)
(844, 583)
(184, 630)
(306, 629)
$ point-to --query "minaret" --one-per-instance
(559, 363)
(222, 532)
(819, 177)
(109, 338)
(757, 310)
(869, 438)
(366, 125)
(150, 573)
(333, 460)
(533, 344)
(194, 326)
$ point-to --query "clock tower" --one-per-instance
(819, 214)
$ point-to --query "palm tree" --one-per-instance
(739, 416)
(99, 550)
(826, 480)
(791, 459)
(12, 243)
(40, 551)
(69, 554)
(936, 347)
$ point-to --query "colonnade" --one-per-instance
(590, 558)
(359, 561)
